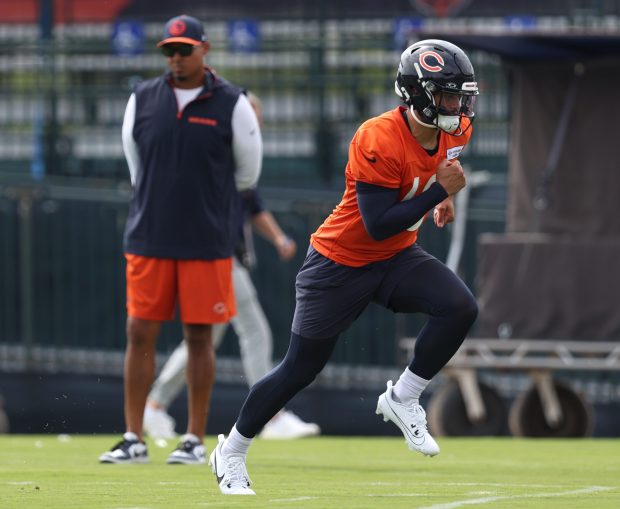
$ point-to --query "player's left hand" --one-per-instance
(444, 212)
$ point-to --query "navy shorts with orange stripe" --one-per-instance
(203, 289)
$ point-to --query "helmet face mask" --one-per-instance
(436, 80)
(448, 108)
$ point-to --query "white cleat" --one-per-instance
(286, 425)
(411, 419)
(158, 424)
(232, 476)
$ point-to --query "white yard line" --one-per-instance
(486, 500)
(473, 484)
(296, 499)
(396, 495)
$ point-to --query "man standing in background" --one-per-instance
(192, 142)
(250, 326)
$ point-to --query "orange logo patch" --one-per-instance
(203, 121)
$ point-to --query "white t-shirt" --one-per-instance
(186, 95)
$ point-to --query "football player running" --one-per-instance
(402, 164)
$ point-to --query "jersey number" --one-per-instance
(411, 194)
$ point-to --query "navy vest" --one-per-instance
(185, 204)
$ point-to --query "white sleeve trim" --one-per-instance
(129, 144)
(247, 144)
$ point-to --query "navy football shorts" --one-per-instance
(330, 296)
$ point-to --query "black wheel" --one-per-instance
(527, 418)
(447, 415)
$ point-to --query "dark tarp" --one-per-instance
(538, 286)
(584, 186)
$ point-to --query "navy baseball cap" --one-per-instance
(185, 29)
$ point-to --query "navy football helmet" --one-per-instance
(436, 80)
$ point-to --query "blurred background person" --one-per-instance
(192, 141)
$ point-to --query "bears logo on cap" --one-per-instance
(183, 29)
(178, 28)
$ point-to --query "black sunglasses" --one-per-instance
(184, 50)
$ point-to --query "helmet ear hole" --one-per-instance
(406, 90)
(401, 91)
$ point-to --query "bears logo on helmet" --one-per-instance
(432, 68)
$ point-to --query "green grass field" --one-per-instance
(327, 472)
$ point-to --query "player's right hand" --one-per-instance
(451, 176)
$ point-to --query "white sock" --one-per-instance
(409, 388)
(130, 435)
(190, 437)
(236, 443)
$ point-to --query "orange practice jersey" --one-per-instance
(384, 153)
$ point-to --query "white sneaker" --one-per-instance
(232, 476)
(128, 450)
(286, 425)
(189, 452)
(411, 419)
(158, 424)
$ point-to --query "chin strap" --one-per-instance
(414, 113)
